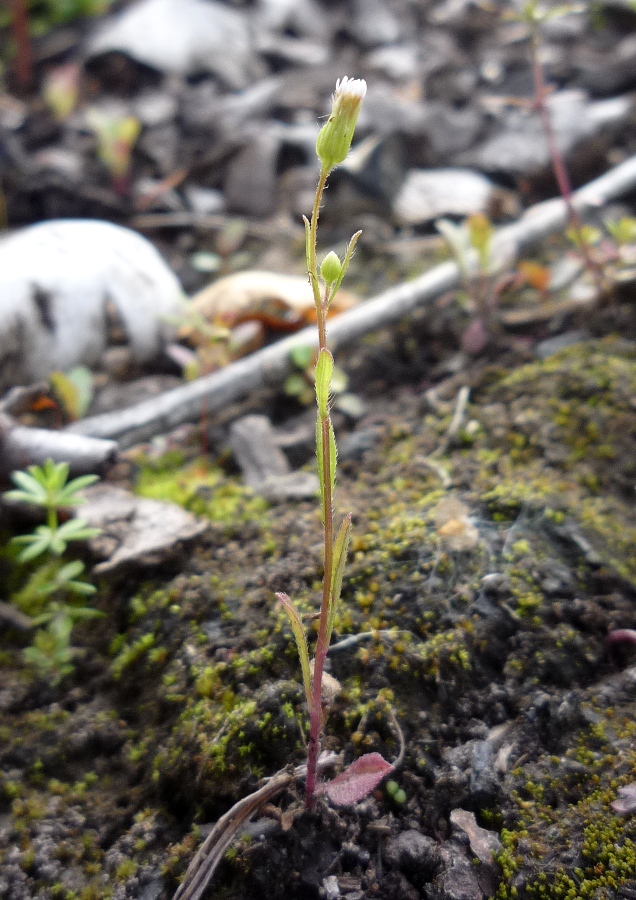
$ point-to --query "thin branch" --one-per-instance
(271, 364)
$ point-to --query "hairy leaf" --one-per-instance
(357, 780)
(301, 642)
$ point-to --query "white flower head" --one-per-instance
(334, 139)
(354, 87)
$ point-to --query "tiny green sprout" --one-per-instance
(623, 231)
(47, 486)
(395, 792)
(51, 653)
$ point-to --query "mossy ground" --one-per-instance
(489, 629)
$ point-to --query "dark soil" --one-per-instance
(488, 566)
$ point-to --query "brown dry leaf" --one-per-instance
(284, 302)
(451, 520)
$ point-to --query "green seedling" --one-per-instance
(473, 248)
(362, 776)
(395, 792)
(47, 487)
(51, 653)
(74, 390)
(116, 138)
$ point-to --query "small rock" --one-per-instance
(251, 182)
(484, 784)
(303, 17)
(205, 201)
(483, 843)
(373, 23)
(427, 195)
(411, 852)
(520, 147)
(264, 465)
(182, 37)
(550, 346)
(458, 880)
(155, 108)
(134, 529)
(331, 887)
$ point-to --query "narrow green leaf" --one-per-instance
(333, 460)
(30, 485)
(333, 457)
(324, 370)
(76, 530)
(340, 549)
(83, 588)
(320, 465)
(67, 495)
(36, 546)
(21, 497)
(301, 642)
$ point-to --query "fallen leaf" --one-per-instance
(283, 302)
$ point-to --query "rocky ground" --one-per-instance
(492, 493)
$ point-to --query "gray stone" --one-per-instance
(411, 851)
(373, 23)
(134, 529)
(520, 148)
(251, 182)
(458, 879)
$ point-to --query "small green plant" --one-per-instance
(116, 138)
(47, 487)
(362, 776)
(482, 273)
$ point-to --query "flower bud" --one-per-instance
(334, 138)
(331, 268)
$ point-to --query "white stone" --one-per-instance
(182, 37)
(57, 281)
(428, 194)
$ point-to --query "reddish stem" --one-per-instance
(558, 163)
(22, 39)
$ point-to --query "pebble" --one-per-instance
(428, 195)
(411, 851)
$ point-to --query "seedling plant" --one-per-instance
(48, 488)
(362, 776)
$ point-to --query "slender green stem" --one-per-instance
(324, 434)
(51, 518)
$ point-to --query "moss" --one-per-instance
(601, 845)
(201, 488)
